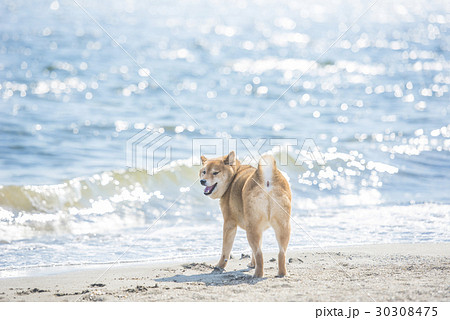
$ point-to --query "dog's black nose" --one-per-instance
(203, 182)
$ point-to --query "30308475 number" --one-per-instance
(406, 311)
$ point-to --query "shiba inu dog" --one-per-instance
(253, 199)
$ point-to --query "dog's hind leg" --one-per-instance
(283, 241)
(280, 221)
(252, 264)
(229, 232)
(254, 239)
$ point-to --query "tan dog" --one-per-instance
(253, 199)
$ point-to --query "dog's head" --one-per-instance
(217, 174)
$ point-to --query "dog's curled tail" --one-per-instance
(267, 167)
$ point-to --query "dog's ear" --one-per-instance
(230, 159)
(203, 159)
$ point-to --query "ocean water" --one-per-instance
(375, 105)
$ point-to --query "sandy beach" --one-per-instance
(386, 272)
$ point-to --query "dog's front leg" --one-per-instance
(229, 232)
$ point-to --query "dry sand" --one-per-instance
(387, 272)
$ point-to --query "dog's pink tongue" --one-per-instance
(208, 189)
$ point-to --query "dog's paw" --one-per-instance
(282, 273)
(258, 275)
(218, 269)
(251, 266)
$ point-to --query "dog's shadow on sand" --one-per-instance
(212, 277)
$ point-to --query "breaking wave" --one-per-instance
(118, 199)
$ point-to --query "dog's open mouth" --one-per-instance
(209, 189)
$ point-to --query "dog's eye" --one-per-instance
(215, 173)
(204, 171)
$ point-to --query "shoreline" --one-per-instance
(382, 272)
(53, 270)
(48, 270)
